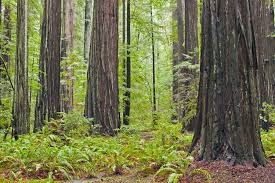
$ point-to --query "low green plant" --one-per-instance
(202, 172)
(63, 150)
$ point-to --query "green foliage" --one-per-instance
(76, 125)
(60, 151)
(268, 140)
(202, 172)
(269, 113)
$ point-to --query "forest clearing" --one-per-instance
(137, 91)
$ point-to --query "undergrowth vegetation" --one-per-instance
(65, 149)
(69, 149)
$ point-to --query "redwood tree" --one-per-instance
(104, 66)
(21, 111)
(178, 51)
(88, 111)
(53, 57)
(263, 19)
(67, 87)
(41, 100)
(127, 66)
(228, 107)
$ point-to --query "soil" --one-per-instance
(222, 172)
(130, 177)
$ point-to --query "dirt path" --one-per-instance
(131, 177)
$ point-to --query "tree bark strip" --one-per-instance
(228, 116)
(21, 113)
(105, 65)
(53, 57)
(127, 94)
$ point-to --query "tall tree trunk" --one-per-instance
(191, 30)
(127, 94)
(178, 52)
(89, 111)
(105, 65)
(124, 51)
(53, 57)
(88, 29)
(67, 87)
(154, 67)
(41, 98)
(1, 62)
(5, 60)
(21, 114)
(7, 33)
(175, 62)
(263, 19)
(228, 116)
(188, 75)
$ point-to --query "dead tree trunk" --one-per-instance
(228, 116)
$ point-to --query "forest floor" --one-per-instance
(141, 153)
(222, 172)
(200, 172)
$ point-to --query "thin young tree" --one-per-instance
(21, 111)
(228, 107)
(153, 66)
(41, 100)
(127, 94)
(88, 111)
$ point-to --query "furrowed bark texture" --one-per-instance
(5, 52)
(67, 87)
(105, 65)
(191, 30)
(187, 74)
(228, 116)
(88, 111)
(53, 57)
(41, 98)
(127, 94)
(263, 19)
(88, 29)
(178, 51)
(21, 113)
(7, 34)
(154, 110)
